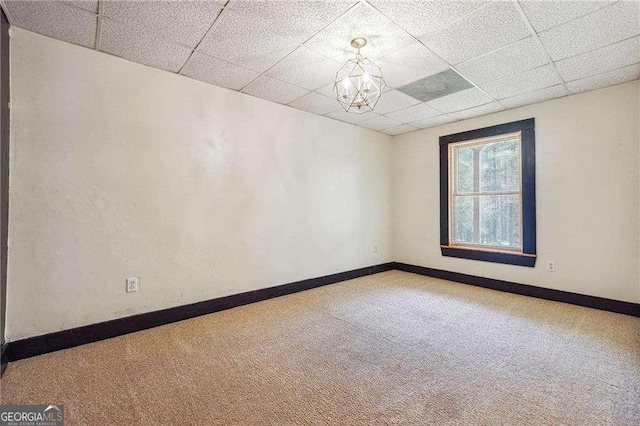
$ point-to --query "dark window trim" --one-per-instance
(528, 256)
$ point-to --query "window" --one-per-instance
(487, 199)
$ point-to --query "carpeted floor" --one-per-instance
(391, 348)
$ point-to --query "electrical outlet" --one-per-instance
(551, 266)
(132, 284)
(375, 249)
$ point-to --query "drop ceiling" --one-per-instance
(509, 53)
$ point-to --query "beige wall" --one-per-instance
(120, 170)
(587, 190)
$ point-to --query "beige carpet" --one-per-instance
(391, 348)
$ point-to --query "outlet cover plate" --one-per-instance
(132, 284)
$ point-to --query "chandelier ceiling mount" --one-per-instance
(359, 42)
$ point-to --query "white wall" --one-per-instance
(121, 170)
(587, 190)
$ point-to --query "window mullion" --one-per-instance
(476, 189)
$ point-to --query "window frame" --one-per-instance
(454, 192)
(526, 257)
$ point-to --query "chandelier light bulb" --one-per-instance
(359, 83)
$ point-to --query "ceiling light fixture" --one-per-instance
(359, 83)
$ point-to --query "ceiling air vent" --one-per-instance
(436, 86)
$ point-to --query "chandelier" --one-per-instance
(359, 82)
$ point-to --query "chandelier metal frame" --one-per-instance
(359, 83)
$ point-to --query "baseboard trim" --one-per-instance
(4, 360)
(65, 339)
(610, 305)
(38, 345)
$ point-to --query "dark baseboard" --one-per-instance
(65, 339)
(25, 348)
(4, 358)
(617, 306)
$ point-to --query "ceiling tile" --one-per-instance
(133, 44)
(379, 123)
(433, 121)
(413, 113)
(409, 64)
(316, 103)
(478, 111)
(55, 20)
(461, 100)
(393, 101)
(382, 35)
(350, 117)
(535, 97)
(605, 26)
(482, 31)
(274, 90)
(599, 61)
(297, 20)
(399, 130)
(528, 81)
(305, 68)
(239, 39)
(90, 5)
(184, 22)
(327, 91)
(517, 57)
(621, 75)
(218, 72)
(422, 17)
(546, 14)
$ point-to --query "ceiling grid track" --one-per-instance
(438, 56)
(462, 75)
(99, 26)
(301, 45)
(533, 32)
(197, 48)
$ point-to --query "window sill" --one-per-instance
(520, 259)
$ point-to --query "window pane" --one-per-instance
(465, 169)
(500, 220)
(500, 166)
(464, 219)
